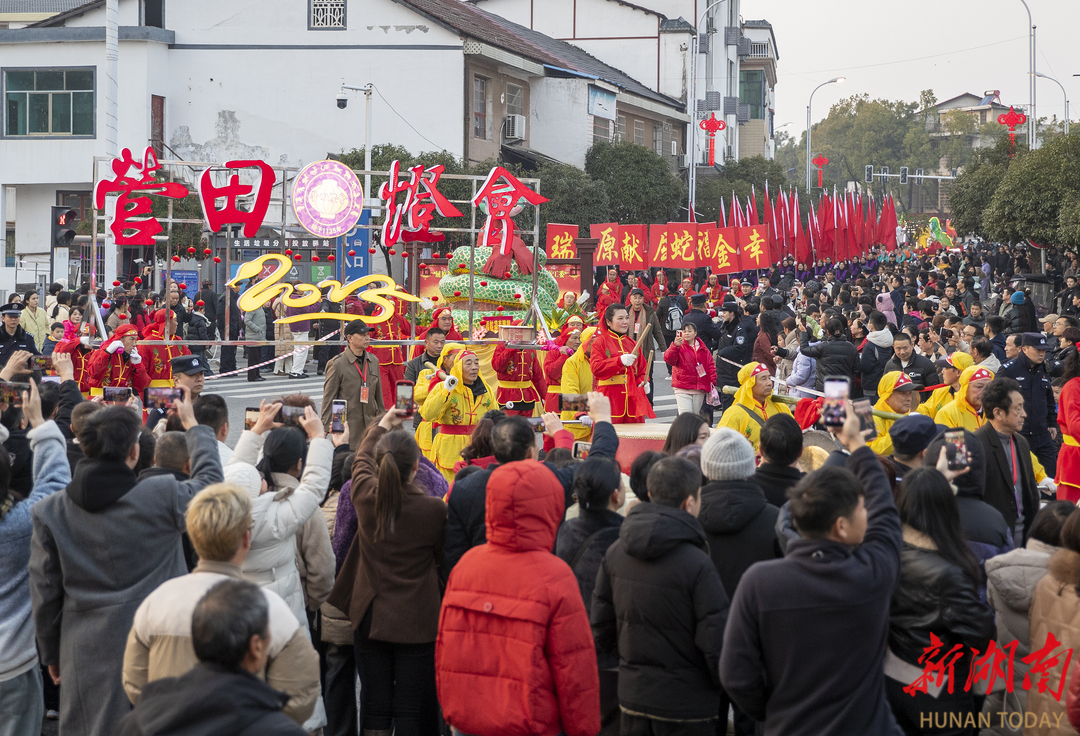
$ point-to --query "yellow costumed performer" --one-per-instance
(951, 368)
(455, 403)
(754, 403)
(896, 393)
(577, 378)
(964, 410)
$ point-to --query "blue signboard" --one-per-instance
(189, 278)
(358, 265)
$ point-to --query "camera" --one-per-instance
(342, 100)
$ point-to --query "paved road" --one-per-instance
(240, 394)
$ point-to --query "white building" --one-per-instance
(206, 80)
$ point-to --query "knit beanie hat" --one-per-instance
(1017, 297)
(727, 455)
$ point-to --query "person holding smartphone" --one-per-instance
(353, 375)
(693, 369)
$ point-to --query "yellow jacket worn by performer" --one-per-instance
(747, 415)
(577, 378)
(455, 411)
(889, 384)
(959, 413)
(942, 397)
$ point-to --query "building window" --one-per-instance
(752, 92)
(154, 13)
(601, 130)
(49, 102)
(326, 15)
(515, 100)
(639, 132)
(78, 201)
(479, 107)
(658, 138)
(620, 132)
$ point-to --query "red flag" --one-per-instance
(770, 220)
(751, 208)
(803, 254)
(890, 225)
(871, 225)
(736, 219)
(814, 233)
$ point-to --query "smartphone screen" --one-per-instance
(50, 379)
(404, 397)
(956, 449)
(581, 450)
(337, 416)
(573, 402)
(290, 415)
(41, 363)
(116, 394)
(833, 411)
(537, 423)
(161, 398)
(11, 393)
(251, 415)
(865, 412)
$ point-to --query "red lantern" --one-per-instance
(149, 302)
(176, 259)
(437, 255)
(331, 257)
(138, 280)
(457, 293)
(434, 298)
(200, 303)
(371, 250)
(483, 283)
(352, 253)
(506, 275)
(105, 305)
(392, 252)
(517, 296)
(296, 257)
(498, 309)
(115, 283)
(217, 260)
(288, 251)
(461, 265)
(122, 315)
(404, 254)
(207, 251)
(191, 251)
(182, 286)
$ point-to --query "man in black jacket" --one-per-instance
(805, 642)
(12, 336)
(1040, 429)
(781, 446)
(513, 440)
(910, 436)
(236, 321)
(918, 368)
(222, 695)
(1010, 479)
(210, 301)
(660, 605)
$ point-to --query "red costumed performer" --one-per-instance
(619, 374)
(568, 341)
(1068, 461)
(442, 319)
(156, 358)
(118, 363)
(78, 347)
(391, 357)
(609, 292)
(521, 379)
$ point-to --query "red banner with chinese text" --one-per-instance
(560, 241)
(607, 250)
(682, 244)
(725, 251)
(754, 247)
(633, 244)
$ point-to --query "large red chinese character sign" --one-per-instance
(130, 178)
(1011, 119)
(500, 197)
(231, 214)
(712, 126)
(410, 221)
(820, 162)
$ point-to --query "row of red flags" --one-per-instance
(841, 227)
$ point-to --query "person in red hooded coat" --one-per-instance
(555, 359)
(515, 654)
(444, 320)
(78, 347)
(609, 291)
(118, 363)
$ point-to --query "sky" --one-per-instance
(895, 50)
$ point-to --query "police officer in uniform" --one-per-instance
(735, 346)
(12, 336)
(1040, 426)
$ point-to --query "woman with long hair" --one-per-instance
(1068, 462)
(61, 309)
(389, 583)
(480, 451)
(937, 597)
(693, 369)
(73, 323)
(769, 332)
(687, 429)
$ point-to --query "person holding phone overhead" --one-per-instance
(118, 363)
(753, 404)
(353, 375)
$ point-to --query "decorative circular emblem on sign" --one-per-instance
(327, 199)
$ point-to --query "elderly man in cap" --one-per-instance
(753, 404)
(189, 371)
(117, 362)
(896, 394)
(964, 410)
(950, 368)
(12, 336)
(697, 316)
(911, 435)
(1029, 370)
(353, 376)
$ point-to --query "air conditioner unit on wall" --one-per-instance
(515, 127)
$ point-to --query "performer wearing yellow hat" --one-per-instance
(964, 410)
(754, 403)
(577, 378)
(951, 367)
(456, 406)
(896, 392)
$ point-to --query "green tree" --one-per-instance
(574, 198)
(973, 190)
(639, 183)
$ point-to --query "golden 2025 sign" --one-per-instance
(304, 295)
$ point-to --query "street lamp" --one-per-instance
(1033, 121)
(834, 80)
(691, 213)
(1063, 92)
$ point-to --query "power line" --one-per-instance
(407, 122)
(906, 61)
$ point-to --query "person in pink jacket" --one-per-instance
(693, 372)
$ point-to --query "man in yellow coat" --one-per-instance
(951, 367)
(754, 403)
(965, 409)
(454, 405)
(896, 393)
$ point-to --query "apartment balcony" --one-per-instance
(761, 51)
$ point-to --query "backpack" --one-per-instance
(673, 318)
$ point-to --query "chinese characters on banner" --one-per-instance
(725, 251)
(673, 245)
(754, 245)
(632, 242)
(130, 178)
(607, 250)
(410, 221)
(560, 241)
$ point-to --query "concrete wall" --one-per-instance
(554, 102)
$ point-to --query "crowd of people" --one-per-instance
(499, 567)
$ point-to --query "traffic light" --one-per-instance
(868, 175)
(903, 175)
(63, 226)
(918, 176)
(885, 173)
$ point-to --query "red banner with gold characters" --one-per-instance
(725, 251)
(607, 250)
(560, 241)
(754, 247)
(633, 246)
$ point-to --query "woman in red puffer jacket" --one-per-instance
(693, 370)
(515, 654)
